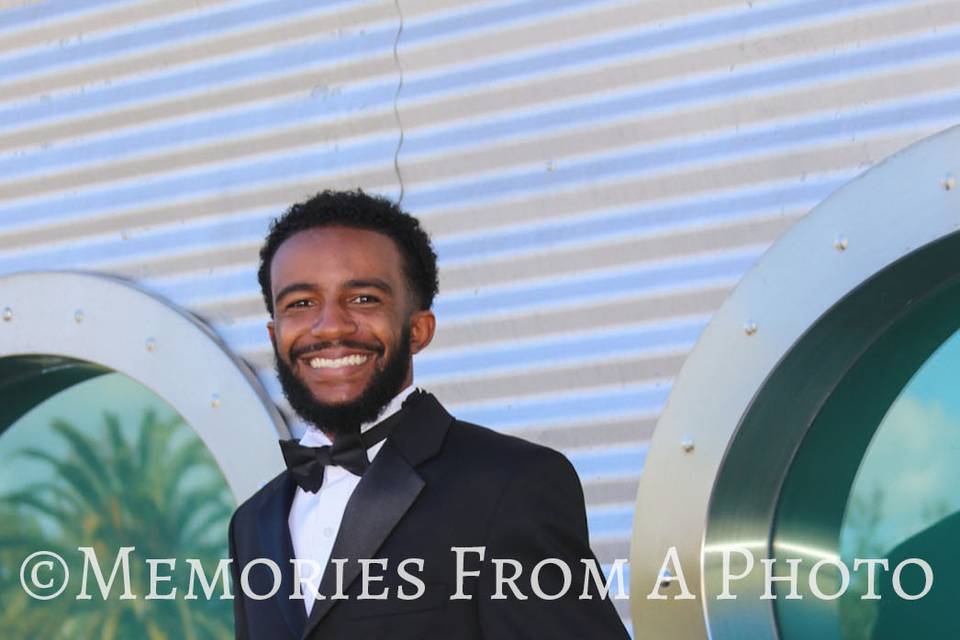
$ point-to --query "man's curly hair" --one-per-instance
(357, 210)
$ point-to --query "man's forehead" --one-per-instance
(336, 251)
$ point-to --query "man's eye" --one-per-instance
(365, 299)
(296, 304)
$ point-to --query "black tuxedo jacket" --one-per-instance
(436, 484)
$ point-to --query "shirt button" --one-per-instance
(328, 532)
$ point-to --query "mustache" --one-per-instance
(296, 352)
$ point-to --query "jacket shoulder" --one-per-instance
(251, 504)
(482, 446)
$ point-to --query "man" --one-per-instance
(421, 525)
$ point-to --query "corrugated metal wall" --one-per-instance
(597, 175)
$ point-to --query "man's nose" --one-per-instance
(331, 322)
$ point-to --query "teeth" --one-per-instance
(345, 361)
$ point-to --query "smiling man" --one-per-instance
(393, 519)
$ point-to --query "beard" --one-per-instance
(347, 417)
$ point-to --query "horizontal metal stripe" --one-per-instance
(159, 189)
(496, 301)
(595, 254)
(597, 51)
(255, 19)
(506, 413)
(319, 165)
(432, 43)
(651, 307)
(105, 251)
(712, 150)
(610, 520)
(313, 82)
(560, 200)
(212, 23)
(121, 147)
(736, 62)
(201, 31)
(185, 82)
(571, 436)
(180, 160)
(418, 9)
(600, 492)
(20, 163)
(560, 350)
(463, 251)
(133, 168)
(613, 461)
(222, 138)
(613, 121)
(50, 28)
(277, 195)
(323, 156)
(289, 139)
(22, 16)
(540, 380)
(265, 102)
(288, 58)
(88, 125)
(657, 160)
(207, 92)
(461, 19)
(615, 546)
(607, 551)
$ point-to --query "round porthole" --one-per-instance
(124, 423)
(822, 402)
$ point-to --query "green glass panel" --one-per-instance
(785, 488)
(903, 504)
(106, 463)
(870, 481)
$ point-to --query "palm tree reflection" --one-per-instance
(158, 491)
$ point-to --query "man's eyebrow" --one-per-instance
(371, 283)
(294, 288)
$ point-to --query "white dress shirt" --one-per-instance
(314, 518)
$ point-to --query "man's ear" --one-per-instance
(273, 336)
(422, 326)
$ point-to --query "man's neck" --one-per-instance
(388, 410)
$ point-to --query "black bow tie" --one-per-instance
(349, 450)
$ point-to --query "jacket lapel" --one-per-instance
(277, 546)
(385, 493)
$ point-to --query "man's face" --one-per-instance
(345, 326)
